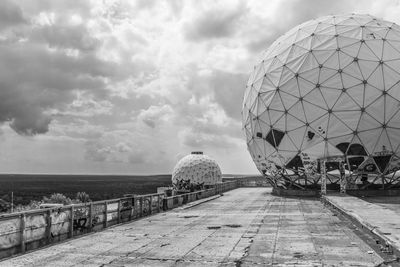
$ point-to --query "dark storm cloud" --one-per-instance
(212, 129)
(226, 87)
(34, 79)
(95, 151)
(289, 14)
(35, 66)
(10, 14)
(110, 148)
(214, 23)
(136, 158)
(64, 8)
(43, 66)
(176, 7)
(67, 36)
(30, 123)
(140, 4)
(149, 122)
(199, 140)
(203, 130)
(228, 90)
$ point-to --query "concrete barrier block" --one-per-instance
(180, 200)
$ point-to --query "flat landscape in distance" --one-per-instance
(27, 187)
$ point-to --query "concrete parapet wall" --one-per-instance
(259, 183)
(24, 231)
(295, 193)
(379, 221)
(374, 193)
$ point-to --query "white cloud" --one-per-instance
(210, 19)
(155, 114)
(85, 106)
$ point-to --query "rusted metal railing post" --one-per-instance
(343, 178)
(48, 226)
(71, 222)
(323, 178)
(90, 216)
(132, 207)
(158, 203)
(119, 211)
(105, 215)
(151, 205)
(141, 206)
(22, 232)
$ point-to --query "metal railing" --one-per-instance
(28, 230)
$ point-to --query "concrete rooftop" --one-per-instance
(245, 227)
(377, 214)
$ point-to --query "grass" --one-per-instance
(27, 187)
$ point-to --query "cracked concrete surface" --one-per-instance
(380, 214)
(245, 227)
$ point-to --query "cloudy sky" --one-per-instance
(132, 86)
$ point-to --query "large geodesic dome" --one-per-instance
(196, 169)
(327, 89)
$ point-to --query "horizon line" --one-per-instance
(118, 174)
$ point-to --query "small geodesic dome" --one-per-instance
(328, 88)
(196, 169)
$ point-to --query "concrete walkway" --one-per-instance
(389, 202)
(245, 227)
(382, 219)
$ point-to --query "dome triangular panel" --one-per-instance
(390, 52)
(349, 118)
(383, 145)
(331, 96)
(367, 122)
(345, 102)
(337, 127)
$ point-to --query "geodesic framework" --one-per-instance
(196, 169)
(327, 89)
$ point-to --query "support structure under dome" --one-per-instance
(334, 176)
(326, 96)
